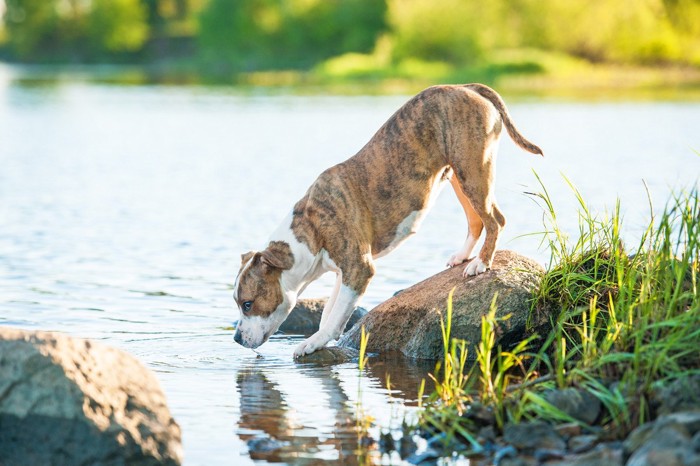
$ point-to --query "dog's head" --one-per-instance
(261, 298)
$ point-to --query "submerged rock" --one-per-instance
(330, 355)
(69, 401)
(306, 316)
(410, 321)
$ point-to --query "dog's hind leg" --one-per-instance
(475, 226)
(478, 185)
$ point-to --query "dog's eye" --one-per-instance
(247, 306)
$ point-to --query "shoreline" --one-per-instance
(589, 83)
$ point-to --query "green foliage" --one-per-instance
(278, 34)
(73, 30)
(623, 321)
(377, 38)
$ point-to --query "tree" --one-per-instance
(260, 34)
(74, 30)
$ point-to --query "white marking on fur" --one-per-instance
(475, 267)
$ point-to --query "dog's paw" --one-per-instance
(315, 342)
(457, 258)
(475, 267)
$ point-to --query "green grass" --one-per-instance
(625, 318)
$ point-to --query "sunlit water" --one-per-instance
(124, 211)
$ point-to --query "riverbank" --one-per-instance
(517, 73)
(614, 381)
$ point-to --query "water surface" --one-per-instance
(124, 211)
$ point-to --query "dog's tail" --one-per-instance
(493, 97)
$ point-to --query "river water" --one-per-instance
(124, 211)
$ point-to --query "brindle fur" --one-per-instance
(443, 127)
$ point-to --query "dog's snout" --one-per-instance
(237, 337)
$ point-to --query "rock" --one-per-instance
(329, 355)
(264, 445)
(666, 432)
(306, 316)
(577, 403)
(669, 445)
(528, 436)
(410, 321)
(690, 420)
(569, 429)
(66, 401)
(602, 455)
(680, 395)
(582, 443)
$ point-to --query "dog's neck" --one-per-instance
(307, 266)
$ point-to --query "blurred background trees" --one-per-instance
(244, 35)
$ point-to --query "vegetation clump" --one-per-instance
(625, 327)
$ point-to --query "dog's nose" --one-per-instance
(237, 337)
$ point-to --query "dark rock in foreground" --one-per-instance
(70, 401)
(306, 316)
(410, 321)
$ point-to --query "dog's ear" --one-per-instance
(246, 257)
(278, 255)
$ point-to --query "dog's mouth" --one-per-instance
(247, 342)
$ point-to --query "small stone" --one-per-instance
(582, 443)
(480, 414)
(486, 434)
(577, 403)
(542, 455)
(264, 445)
(428, 455)
(637, 437)
(518, 461)
(329, 355)
(533, 435)
(502, 453)
(602, 455)
(570, 429)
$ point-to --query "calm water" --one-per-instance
(124, 211)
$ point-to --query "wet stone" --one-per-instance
(533, 435)
(265, 445)
(582, 443)
(602, 455)
(567, 430)
(330, 355)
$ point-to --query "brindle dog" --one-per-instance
(363, 208)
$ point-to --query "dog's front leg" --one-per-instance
(328, 308)
(333, 327)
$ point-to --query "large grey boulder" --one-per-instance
(66, 401)
(410, 321)
(306, 317)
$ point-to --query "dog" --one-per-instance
(366, 206)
